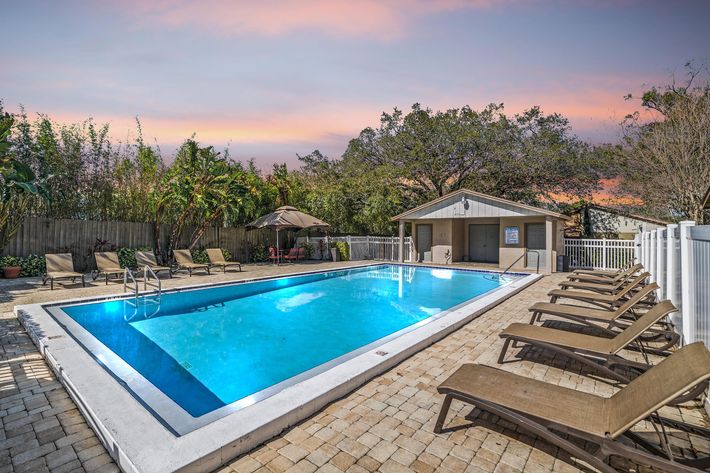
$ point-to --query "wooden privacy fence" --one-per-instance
(39, 236)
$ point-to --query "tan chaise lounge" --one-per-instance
(616, 318)
(183, 260)
(562, 416)
(217, 260)
(147, 258)
(584, 314)
(107, 264)
(589, 349)
(60, 266)
(605, 276)
(607, 286)
(612, 300)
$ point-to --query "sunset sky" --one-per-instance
(271, 79)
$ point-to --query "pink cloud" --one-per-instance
(338, 18)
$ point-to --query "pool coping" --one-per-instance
(139, 442)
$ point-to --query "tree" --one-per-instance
(202, 188)
(529, 157)
(18, 185)
(667, 162)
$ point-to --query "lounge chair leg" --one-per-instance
(442, 415)
(533, 318)
(83, 281)
(51, 284)
(506, 344)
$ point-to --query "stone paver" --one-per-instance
(385, 425)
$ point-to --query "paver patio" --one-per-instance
(385, 425)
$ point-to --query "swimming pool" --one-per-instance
(224, 366)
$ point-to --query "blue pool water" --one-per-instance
(207, 348)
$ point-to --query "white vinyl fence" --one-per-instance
(364, 247)
(599, 254)
(678, 258)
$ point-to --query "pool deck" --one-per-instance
(385, 425)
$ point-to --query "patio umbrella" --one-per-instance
(285, 218)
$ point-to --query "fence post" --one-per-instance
(637, 247)
(686, 268)
(660, 266)
(603, 253)
(653, 266)
(671, 265)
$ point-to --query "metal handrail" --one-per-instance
(537, 264)
(512, 264)
(157, 284)
(127, 274)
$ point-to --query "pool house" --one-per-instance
(473, 227)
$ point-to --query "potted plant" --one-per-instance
(335, 255)
(10, 266)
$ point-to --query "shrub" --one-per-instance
(127, 256)
(199, 255)
(343, 249)
(9, 261)
(260, 253)
(308, 249)
(32, 265)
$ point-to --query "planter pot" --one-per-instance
(335, 254)
(11, 272)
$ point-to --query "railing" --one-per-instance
(127, 274)
(364, 247)
(599, 253)
(678, 258)
(148, 271)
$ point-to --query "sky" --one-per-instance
(275, 79)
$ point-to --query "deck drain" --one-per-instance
(381, 353)
(186, 365)
(53, 337)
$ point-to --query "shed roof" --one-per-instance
(453, 206)
(621, 213)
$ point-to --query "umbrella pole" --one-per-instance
(278, 249)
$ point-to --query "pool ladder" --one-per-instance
(145, 301)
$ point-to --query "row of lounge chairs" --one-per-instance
(622, 308)
(61, 265)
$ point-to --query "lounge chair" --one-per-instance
(604, 287)
(183, 259)
(579, 346)
(583, 314)
(274, 255)
(612, 300)
(147, 258)
(217, 259)
(60, 266)
(562, 415)
(606, 276)
(292, 255)
(107, 264)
